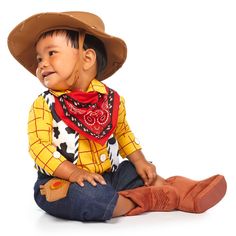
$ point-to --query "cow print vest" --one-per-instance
(67, 140)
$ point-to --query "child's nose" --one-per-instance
(44, 63)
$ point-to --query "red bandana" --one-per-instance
(92, 114)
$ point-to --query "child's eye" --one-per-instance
(51, 53)
(39, 59)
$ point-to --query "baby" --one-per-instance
(77, 128)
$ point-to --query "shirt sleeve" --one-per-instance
(126, 139)
(41, 148)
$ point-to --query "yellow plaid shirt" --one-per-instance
(42, 149)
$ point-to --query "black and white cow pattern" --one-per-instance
(113, 151)
(64, 138)
(67, 140)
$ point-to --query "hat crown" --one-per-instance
(88, 18)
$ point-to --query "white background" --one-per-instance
(179, 85)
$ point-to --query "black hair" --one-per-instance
(89, 42)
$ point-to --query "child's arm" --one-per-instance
(129, 147)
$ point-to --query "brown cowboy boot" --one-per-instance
(151, 199)
(198, 196)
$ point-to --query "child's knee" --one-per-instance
(93, 203)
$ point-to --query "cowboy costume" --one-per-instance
(90, 130)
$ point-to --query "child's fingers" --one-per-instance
(91, 180)
(80, 182)
(151, 176)
(100, 179)
(144, 178)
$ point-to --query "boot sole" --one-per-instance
(211, 195)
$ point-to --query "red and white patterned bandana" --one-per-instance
(92, 114)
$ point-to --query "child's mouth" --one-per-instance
(47, 73)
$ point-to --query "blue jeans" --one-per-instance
(90, 203)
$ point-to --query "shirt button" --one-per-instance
(56, 154)
(103, 157)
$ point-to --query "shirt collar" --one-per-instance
(94, 86)
(97, 86)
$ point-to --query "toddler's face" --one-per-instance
(56, 61)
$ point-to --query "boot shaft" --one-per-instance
(152, 199)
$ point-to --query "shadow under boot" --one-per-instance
(198, 196)
(151, 199)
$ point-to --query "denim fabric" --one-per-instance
(90, 203)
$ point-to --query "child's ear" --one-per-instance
(89, 59)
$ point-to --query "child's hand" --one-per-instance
(146, 170)
(80, 175)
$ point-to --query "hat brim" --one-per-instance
(22, 39)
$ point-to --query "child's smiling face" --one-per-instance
(56, 61)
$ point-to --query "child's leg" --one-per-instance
(123, 206)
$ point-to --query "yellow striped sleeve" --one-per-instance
(125, 137)
(40, 128)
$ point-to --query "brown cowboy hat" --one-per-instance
(22, 39)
